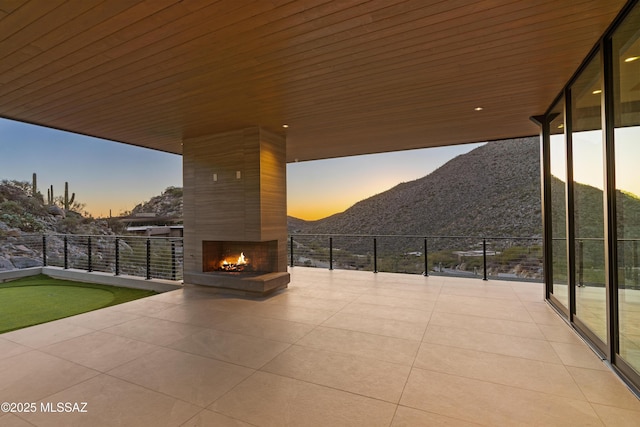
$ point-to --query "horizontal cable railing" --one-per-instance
(148, 257)
(515, 258)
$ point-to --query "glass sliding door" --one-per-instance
(558, 165)
(626, 76)
(588, 209)
(592, 136)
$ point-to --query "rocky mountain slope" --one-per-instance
(166, 205)
(24, 216)
(493, 190)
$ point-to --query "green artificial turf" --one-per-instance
(39, 299)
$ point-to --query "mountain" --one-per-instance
(493, 190)
(24, 216)
(166, 205)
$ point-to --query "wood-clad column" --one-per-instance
(235, 191)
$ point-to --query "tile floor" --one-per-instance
(337, 348)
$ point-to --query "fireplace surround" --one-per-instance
(235, 207)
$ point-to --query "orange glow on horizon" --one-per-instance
(314, 213)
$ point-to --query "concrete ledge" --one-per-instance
(19, 274)
(97, 277)
(245, 285)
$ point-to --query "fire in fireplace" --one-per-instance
(239, 257)
(238, 265)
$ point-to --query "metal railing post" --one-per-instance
(330, 253)
(291, 239)
(173, 260)
(375, 255)
(44, 250)
(117, 256)
(484, 258)
(426, 259)
(148, 259)
(580, 263)
(66, 253)
(89, 266)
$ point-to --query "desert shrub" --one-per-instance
(11, 213)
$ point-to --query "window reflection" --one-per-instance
(588, 179)
(558, 166)
(626, 46)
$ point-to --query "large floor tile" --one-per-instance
(111, 401)
(271, 400)
(310, 316)
(507, 345)
(605, 388)
(186, 294)
(46, 334)
(492, 404)
(528, 374)
(228, 303)
(480, 290)
(483, 307)
(11, 420)
(365, 376)
(291, 299)
(194, 314)
(264, 327)
(207, 418)
(469, 299)
(387, 312)
(397, 301)
(252, 352)
(542, 314)
(410, 417)
(100, 319)
(10, 348)
(319, 292)
(533, 292)
(100, 351)
(487, 324)
(394, 350)
(142, 307)
(378, 326)
(31, 376)
(560, 333)
(194, 379)
(424, 293)
(579, 355)
(153, 331)
(617, 417)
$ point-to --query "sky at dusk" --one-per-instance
(109, 176)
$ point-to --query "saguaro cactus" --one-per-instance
(68, 202)
(50, 195)
(34, 184)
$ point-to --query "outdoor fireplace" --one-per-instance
(244, 267)
(235, 212)
(239, 257)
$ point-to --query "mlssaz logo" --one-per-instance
(63, 407)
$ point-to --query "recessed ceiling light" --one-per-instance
(632, 58)
(478, 108)
(285, 126)
(597, 91)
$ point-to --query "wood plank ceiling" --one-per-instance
(348, 77)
